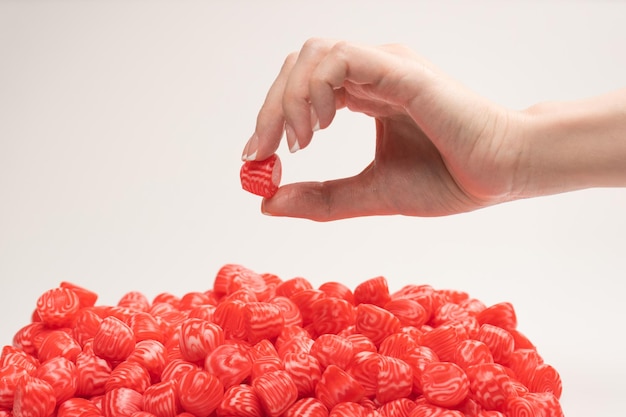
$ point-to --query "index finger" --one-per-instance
(270, 122)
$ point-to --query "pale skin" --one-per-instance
(441, 149)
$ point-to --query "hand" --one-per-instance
(440, 148)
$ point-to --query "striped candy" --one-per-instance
(33, 397)
(277, 392)
(114, 340)
(200, 392)
(240, 401)
(255, 345)
(57, 307)
(444, 384)
(261, 177)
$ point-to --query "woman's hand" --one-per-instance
(440, 148)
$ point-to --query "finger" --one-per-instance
(379, 70)
(326, 201)
(270, 121)
(300, 120)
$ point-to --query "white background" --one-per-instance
(122, 125)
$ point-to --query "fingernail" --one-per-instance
(263, 210)
(315, 121)
(249, 152)
(292, 139)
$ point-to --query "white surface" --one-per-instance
(122, 125)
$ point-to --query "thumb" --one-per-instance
(329, 200)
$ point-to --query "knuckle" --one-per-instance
(314, 44)
(290, 60)
(341, 48)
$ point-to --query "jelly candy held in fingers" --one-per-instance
(261, 177)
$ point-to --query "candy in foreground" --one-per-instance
(261, 177)
(255, 345)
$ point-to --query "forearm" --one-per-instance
(574, 145)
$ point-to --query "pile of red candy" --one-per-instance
(256, 345)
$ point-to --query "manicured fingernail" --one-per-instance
(315, 121)
(249, 152)
(292, 139)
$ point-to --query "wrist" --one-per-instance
(574, 145)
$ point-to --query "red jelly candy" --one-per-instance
(397, 345)
(176, 368)
(134, 300)
(60, 373)
(372, 291)
(524, 363)
(375, 322)
(337, 290)
(395, 379)
(364, 369)
(331, 349)
(200, 392)
(58, 307)
(293, 286)
(546, 379)
(545, 404)
(304, 299)
(409, 312)
(240, 401)
(146, 327)
(265, 364)
(161, 399)
(193, 299)
(336, 386)
(499, 341)
(290, 311)
(261, 177)
(86, 297)
(309, 406)
(33, 398)
(262, 320)
(444, 340)
(444, 384)
(229, 316)
(472, 352)
(9, 377)
(114, 340)
(277, 392)
(401, 407)
(25, 338)
(86, 325)
(151, 355)
(490, 385)
(332, 315)
(305, 370)
(14, 356)
(428, 410)
(59, 343)
(297, 344)
(501, 315)
(92, 373)
(129, 374)
(361, 343)
(230, 363)
(518, 407)
(349, 409)
(199, 337)
(78, 407)
(121, 402)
